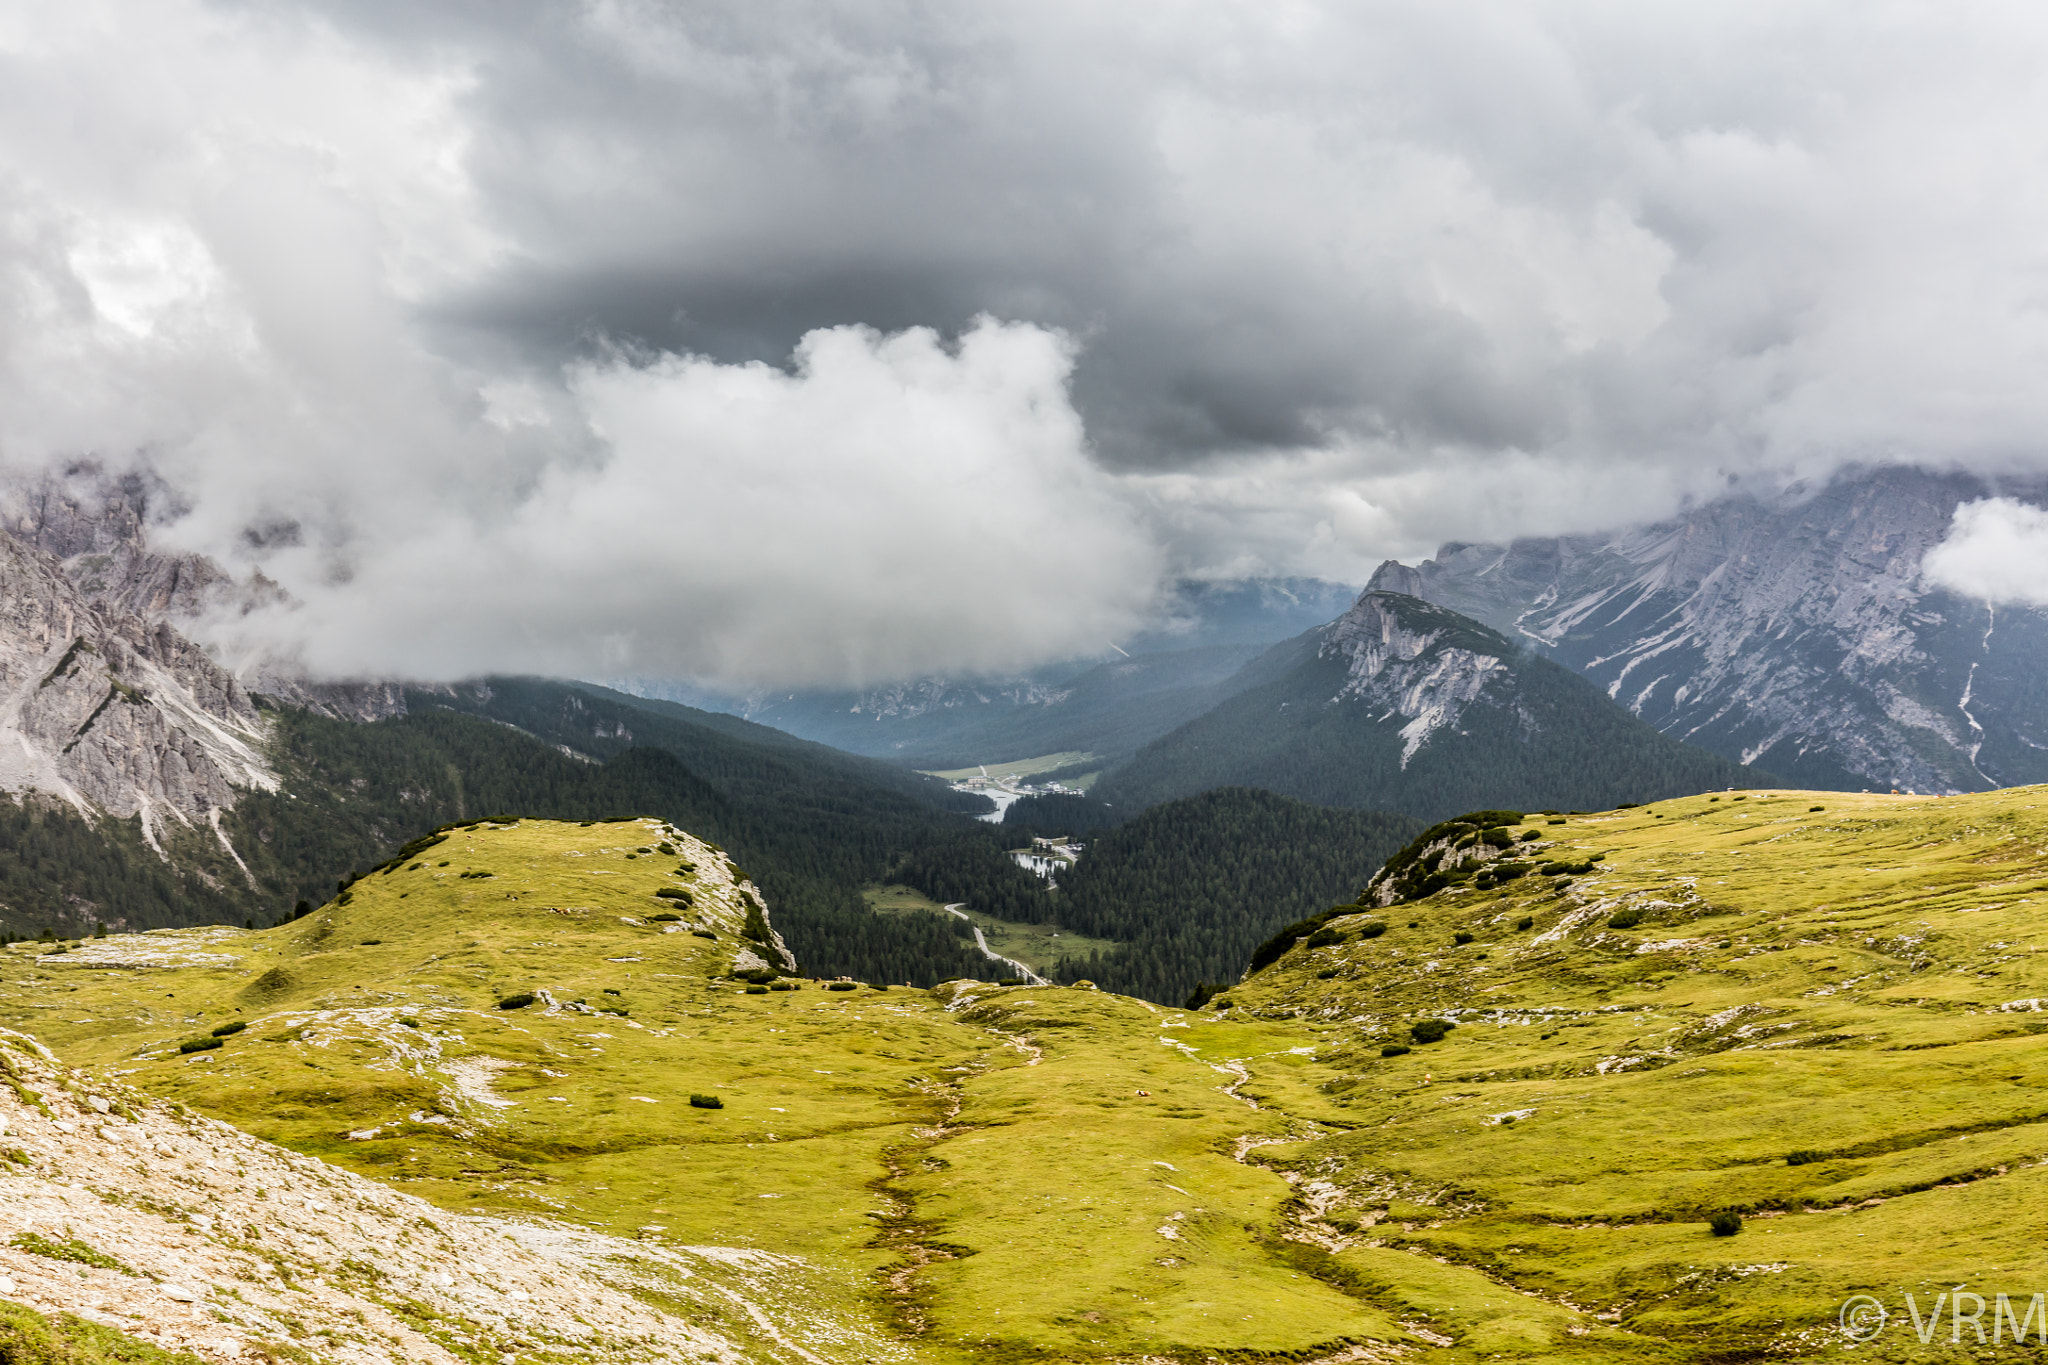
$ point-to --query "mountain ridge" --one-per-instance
(1799, 635)
(1402, 704)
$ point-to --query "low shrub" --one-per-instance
(664, 917)
(1530, 836)
(1726, 1223)
(409, 1022)
(206, 1044)
(517, 1002)
(757, 990)
(226, 1029)
(1461, 937)
(1558, 821)
(703, 933)
(1811, 809)
(1805, 1156)
(675, 893)
(1625, 919)
(1526, 922)
(1372, 929)
(70, 1249)
(1326, 973)
(782, 985)
(1323, 938)
(842, 986)
(1011, 981)
(1430, 1030)
(1395, 1050)
(706, 1102)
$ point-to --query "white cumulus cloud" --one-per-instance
(890, 506)
(1997, 550)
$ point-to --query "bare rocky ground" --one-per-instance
(191, 1234)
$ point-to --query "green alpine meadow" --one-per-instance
(1674, 1082)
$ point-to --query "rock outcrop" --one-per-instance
(1409, 659)
(95, 527)
(192, 1235)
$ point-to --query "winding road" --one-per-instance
(1031, 977)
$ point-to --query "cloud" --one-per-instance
(1325, 282)
(891, 507)
(1996, 550)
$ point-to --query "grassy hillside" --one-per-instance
(1825, 1018)
(908, 1161)
(1827, 1021)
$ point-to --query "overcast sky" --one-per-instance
(814, 343)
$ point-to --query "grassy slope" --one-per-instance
(862, 1132)
(1842, 981)
(977, 1175)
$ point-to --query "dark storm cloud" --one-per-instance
(604, 315)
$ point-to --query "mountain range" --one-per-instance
(1800, 636)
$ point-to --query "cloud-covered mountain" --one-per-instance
(828, 347)
(1804, 637)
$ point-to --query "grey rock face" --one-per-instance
(1800, 638)
(96, 527)
(111, 711)
(1411, 662)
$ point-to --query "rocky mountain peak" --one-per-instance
(112, 712)
(1415, 659)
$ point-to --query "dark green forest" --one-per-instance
(809, 833)
(1191, 888)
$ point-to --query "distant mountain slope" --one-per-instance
(1802, 638)
(1106, 708)
(1402, 705)
(741, 757)
(1168, 674)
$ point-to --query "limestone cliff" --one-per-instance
(113, 712)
